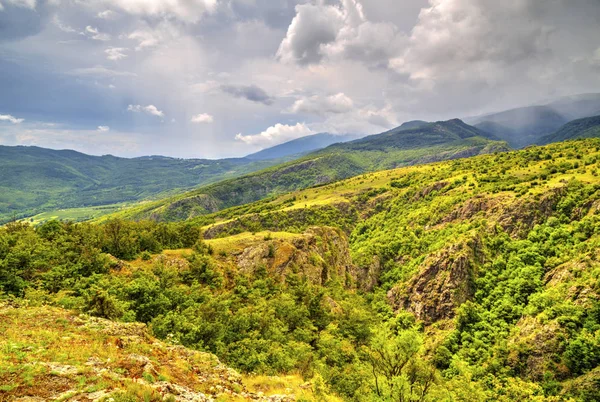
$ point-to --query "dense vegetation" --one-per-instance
(399, 147)
(34, 180)
(473, 279)
(581, 128)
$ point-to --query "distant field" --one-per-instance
(75, 214)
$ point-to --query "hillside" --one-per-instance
(581, 128)
(300, 146)
(54, 354)
(525, 126)
(399, 147)
(34, 180)
(472, 279)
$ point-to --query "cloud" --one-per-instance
(115, 53)
(10, 119)
(339, 31)
(185, 10)
(248, 92)
(30, 4)
(312, 27)
(202, 118)
(95, 34)
(106, 15)
(276, 134)
(63, 27)
(321, 106)
(101, 72)
(103, 129)
(150, 109)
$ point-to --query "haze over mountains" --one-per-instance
(528, 125)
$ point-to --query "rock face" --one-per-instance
(320, 254)
(445, 280)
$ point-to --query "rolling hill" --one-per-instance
(580, 128)
(34, 180)
(300, 146)
(399, 147)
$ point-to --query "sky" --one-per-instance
(225, 78)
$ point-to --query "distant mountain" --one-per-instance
(300, 146)
(523, 126)
(34, 180)
(580, 128)
(413, 124)
(425, 135)
(578, 106)
(398, 147)
(528, 125)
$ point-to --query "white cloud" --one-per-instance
(202, 118)
(115, 53)
(63, 27)
(312, 27)
(31, 4)
(319, 105)
(276, 134)
(145, 39)
(339, 31)
(150, 109)
(185, 10)
(106, 15)
(101, 71)
(10, 119)
(95, 34)
(103, 129)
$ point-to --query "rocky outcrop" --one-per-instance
(320, 254)
(445, 280)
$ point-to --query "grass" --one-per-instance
(240, 241)
(76, 214)
(52, 353)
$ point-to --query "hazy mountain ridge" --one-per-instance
(527, 125)
(301, 146)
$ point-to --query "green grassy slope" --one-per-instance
(34, 180)
(400, 147)
(473, 279)
(581, 128)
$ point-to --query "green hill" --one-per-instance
(581, 128)
(476, 279)
(34, 180)
(399, 147)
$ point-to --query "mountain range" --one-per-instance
(36, 180)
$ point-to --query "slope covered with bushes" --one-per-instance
(472, 279)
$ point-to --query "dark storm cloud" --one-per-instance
(248, 92)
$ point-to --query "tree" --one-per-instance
(399, 372)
